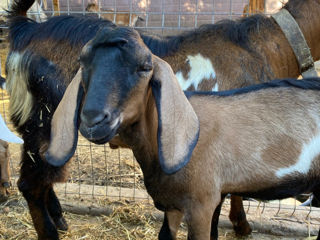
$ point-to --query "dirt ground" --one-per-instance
(131, 221)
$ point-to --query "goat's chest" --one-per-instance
(166, 192)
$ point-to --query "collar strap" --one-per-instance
(298, 43)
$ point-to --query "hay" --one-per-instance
(129, 220)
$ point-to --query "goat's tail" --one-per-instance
(19, 8)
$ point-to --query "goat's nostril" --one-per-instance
(107, 117)
(92, 118)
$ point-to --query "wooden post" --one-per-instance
(45, 4)
(56, 7)
(254, 6)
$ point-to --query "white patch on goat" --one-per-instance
(200, 68)
(115, 123)
(215, 88)
(21, 100)
(309, 151)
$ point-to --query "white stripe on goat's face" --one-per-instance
(200, 68)
(215, 88)
(308, 153)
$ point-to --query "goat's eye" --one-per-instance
(145, 68)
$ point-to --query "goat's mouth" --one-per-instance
(102, 132)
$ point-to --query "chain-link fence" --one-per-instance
(99, 171)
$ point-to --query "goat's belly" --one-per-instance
(287, 187)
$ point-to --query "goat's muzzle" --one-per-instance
(99, 128)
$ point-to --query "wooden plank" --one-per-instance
(94, 191)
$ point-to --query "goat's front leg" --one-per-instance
(36, 199)
(198, 216)
(5, 170)
(55, 211)
(35, 184)
(215, 221)
(316, 194)
(238, 217)
(170, 226)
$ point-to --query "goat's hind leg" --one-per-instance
(238, 217)
(170, 226)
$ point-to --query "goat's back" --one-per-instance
(259, 140)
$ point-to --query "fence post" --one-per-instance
(56, 7)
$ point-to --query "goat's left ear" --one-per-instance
(64, 125)
(178, 124)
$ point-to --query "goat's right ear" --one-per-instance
(178, 124)
(64, 125)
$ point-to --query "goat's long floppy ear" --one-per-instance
(64, 125)
(178, 124)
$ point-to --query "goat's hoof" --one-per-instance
(3, 197)
(242, 228)
(4, 192)
(6, 184)
(62, 224)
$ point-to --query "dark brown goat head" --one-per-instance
(118, 72)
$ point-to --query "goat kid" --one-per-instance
(187, 148)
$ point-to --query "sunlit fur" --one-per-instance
(21, 100)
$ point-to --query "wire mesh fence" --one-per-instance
(97, 171)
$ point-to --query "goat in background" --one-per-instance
(121, 19)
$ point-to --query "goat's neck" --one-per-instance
(274, 47)
(142, 138)
(307, 17)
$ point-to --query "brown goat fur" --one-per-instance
(5, 170)
(266, 49)
(4, 161)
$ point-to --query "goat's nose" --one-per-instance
(91, 117)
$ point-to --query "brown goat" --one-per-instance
(121, 19)
(252, 43)
(254, 50)
(241, 148)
